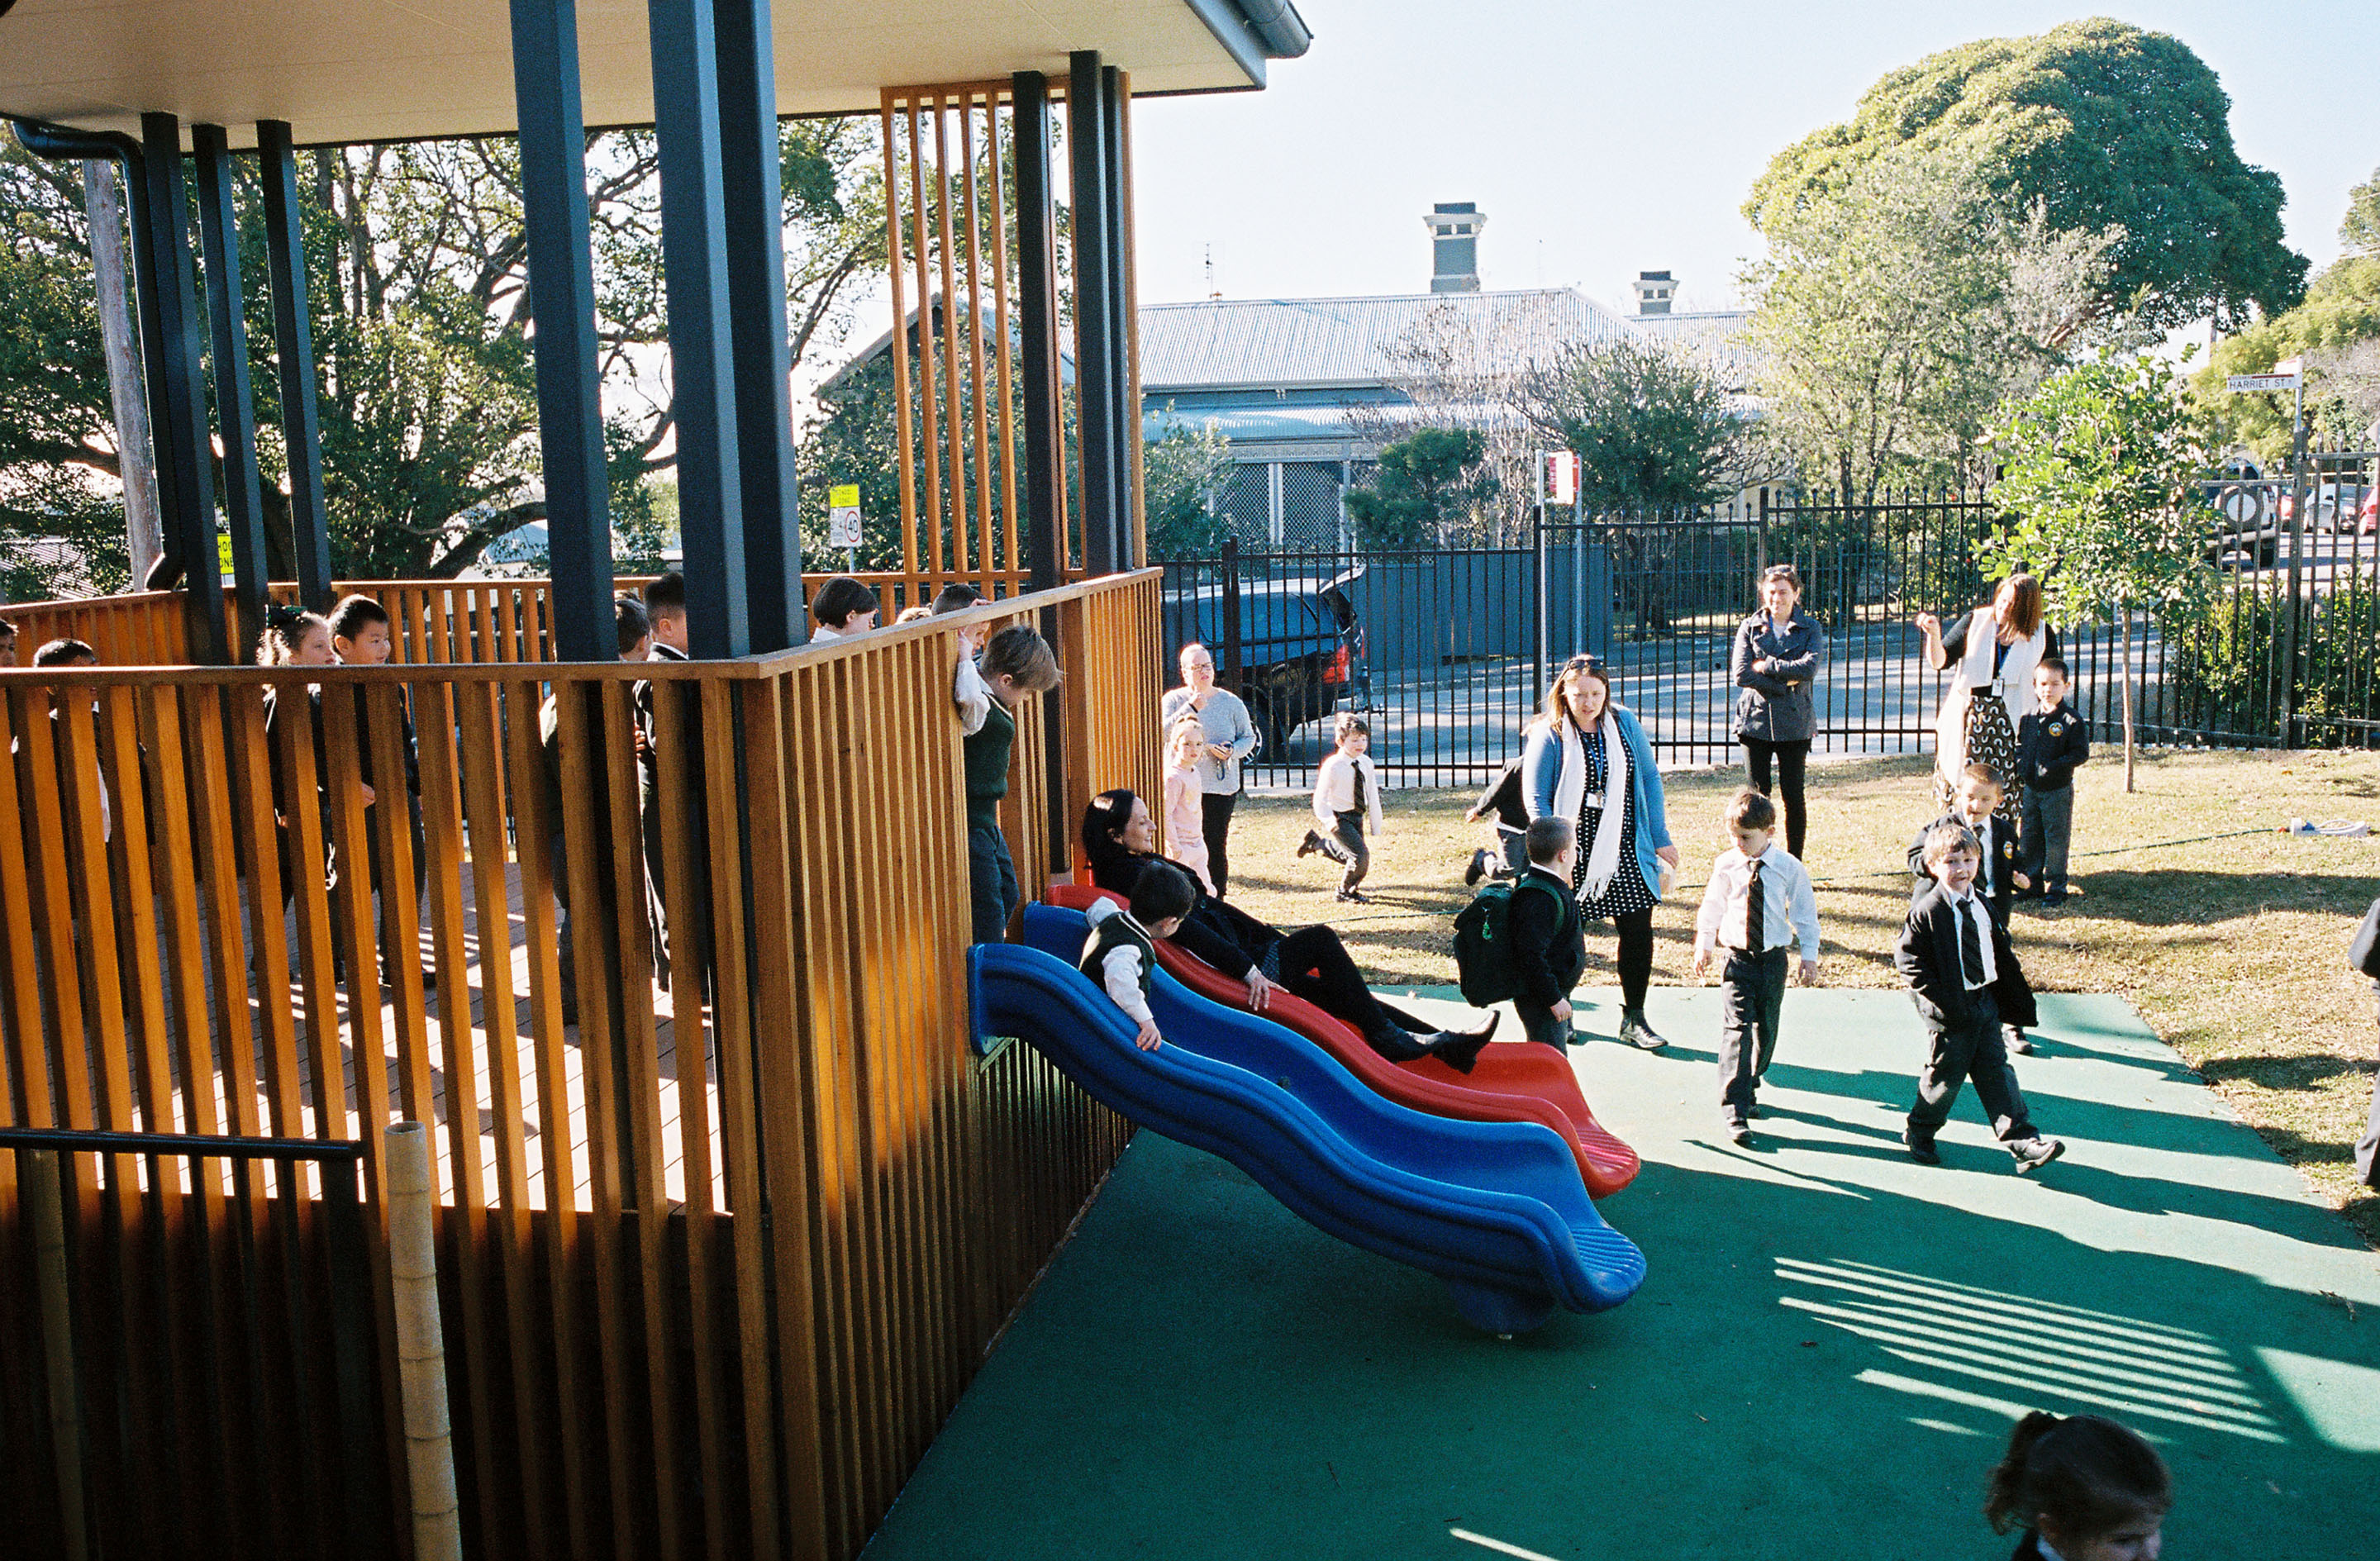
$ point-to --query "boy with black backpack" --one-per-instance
(1522, 939)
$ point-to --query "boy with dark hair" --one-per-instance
(66, 653)
(956, 597)
(1549, 940)
(363, 635)
(1974, 805)
(1963, 977)
(843, 608)
(7, 643)
(2051, 743)
(666, 619)
(1756, 902)
(635, 643)
(1121, 953)
(1503, 798)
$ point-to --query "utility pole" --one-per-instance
(136, 459)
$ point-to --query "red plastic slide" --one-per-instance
(1513, 1081)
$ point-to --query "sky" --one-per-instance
(1603, 139)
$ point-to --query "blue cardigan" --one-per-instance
(1541, 772)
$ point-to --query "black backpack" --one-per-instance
(1483, 944)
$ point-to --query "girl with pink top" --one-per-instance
(1186, 838)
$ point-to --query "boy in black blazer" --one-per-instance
(1974, 806)
(1549, 943)
(2363, 953)
(1963, 976)
(1504, 799)
(2051, 744)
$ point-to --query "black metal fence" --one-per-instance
(155, 1402)
(1451, 651)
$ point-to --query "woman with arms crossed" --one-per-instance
(1231, 737)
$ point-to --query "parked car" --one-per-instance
(2367, 519)
(1301, 648)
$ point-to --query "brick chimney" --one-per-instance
(1454, 246)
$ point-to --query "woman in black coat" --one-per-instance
(1778, 653)
(1120, 837)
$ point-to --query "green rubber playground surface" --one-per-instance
(1828, 1353)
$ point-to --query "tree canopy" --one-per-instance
(1652, 428)
(1430, 484)
(2337, 332)
(1184, 476)
(2111, 129)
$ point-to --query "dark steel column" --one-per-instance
(1125, 421)
(235, 401)
(189, 506)
(293, 344)
(1037, 309)
(562, 298)
(752, 182)
(702, 348)
(1094, 314)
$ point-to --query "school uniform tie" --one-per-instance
(1971, 945)
(1756, 913)
(1359, 786)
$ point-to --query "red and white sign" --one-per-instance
(1557, 476)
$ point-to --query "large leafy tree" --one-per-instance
(2110, 129)
(416, 265)
(1897, 311)
(2101, 468)
(1184, 472)
(1652, 428)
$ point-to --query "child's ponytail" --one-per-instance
(2087, 1474)
(286, 628)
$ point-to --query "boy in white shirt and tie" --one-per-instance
(1758, 901)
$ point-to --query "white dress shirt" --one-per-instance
(1972, 906)
(1334, 788)
(1789, 905)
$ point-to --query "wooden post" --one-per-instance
(421, 1346)
(45, 1200)
(135, 457)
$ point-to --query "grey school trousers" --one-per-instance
(2042, 842)
(1752, 999)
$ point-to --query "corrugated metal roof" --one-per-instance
(1293, 342)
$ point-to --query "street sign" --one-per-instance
(843, 515)
(223, 554)
(1557, 476)
(2290, 381)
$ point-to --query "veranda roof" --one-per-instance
(364, 70)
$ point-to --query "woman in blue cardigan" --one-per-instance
(1586, 760)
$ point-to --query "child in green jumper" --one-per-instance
(1017, 662)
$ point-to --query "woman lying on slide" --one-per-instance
(1119, 836)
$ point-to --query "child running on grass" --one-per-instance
(1963, 976)
(2085, 1489)
(1346, 792)
(1758, 901)
(1121, 953)
(1503, 798)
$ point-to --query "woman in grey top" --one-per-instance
(1778, 653)
(1229, 738)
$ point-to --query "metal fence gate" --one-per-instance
(1449, 652)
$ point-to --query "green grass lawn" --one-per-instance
(2231, 944)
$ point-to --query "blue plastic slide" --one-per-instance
(1496, 1209)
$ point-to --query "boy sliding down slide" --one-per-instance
(1121, 953)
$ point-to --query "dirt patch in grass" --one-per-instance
(2229, 936)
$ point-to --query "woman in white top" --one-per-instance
(1231, 737)
(1990, 653)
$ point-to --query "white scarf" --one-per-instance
(1570, 790)
(1974, 672)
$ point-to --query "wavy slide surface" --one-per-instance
(1493, 1208)
(1512, 1082)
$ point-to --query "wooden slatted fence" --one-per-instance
(719, 1253)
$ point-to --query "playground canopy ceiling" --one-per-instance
(367, 70)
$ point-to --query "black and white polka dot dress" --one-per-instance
(1626, 893)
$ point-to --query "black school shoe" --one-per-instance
(2019, 1042)
(1478, 868)
(1920, 1150)
(2032, 1154)
(1309, 845)
(1739, 1133)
